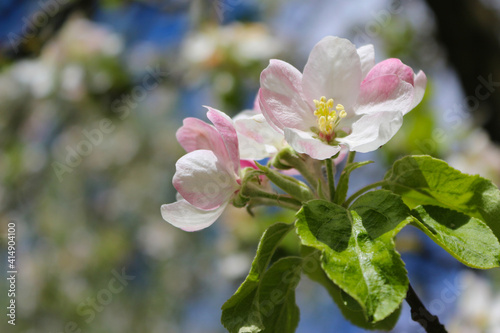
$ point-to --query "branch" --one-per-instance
(421, 315)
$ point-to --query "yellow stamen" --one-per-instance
(328, 119)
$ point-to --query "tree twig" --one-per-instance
(421, 315)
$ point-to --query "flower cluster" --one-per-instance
(341, 102)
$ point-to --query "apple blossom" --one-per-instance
(208, 176)
(340, 100)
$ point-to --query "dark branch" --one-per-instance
(421, 315)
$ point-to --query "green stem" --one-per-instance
(290, 185)
(292, 159)
(363, 190)
(269, 202)
(253, 191)
(331, 178)
(350, 157)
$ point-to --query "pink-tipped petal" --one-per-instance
(333, 70)
(281, 99)
(225, 127)
(391, 66)
(385, 93)
(304, 142)
(367, 57)
(183, 215)
(373, 130)
(420, 83)
(196, 134)
(204, 180)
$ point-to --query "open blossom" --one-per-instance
(257, 139)
(208, 176)
(340, 100)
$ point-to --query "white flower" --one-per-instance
(341, 99)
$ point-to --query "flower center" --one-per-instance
(328, 117)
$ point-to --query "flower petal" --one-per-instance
(257, 139)
(204, 180)
(304, 142)
(281, 99)
(256, 127)
(183, 215)
(333, 70)
(342, 155)
(248, 164)
(391, 66)
(367, 57)
(373, 130)
(420, 83)
(251, 150)
(385, 93)
(225, 127)
(196, 134)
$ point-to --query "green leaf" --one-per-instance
(239, 311)
(423, 180)
(343, 185)
(381, 211)
(466, 238)
(351, 309)
(277, 296)
(368, 269)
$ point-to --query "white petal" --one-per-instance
(333, 70)
(245, 114)
(257, 128)
(420, 82)
(367, 57)
(204, 180)
(251, 150)
(304, 142)
(257, 139)
(183, 215)
(373, 130)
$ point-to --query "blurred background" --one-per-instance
(92, 92)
